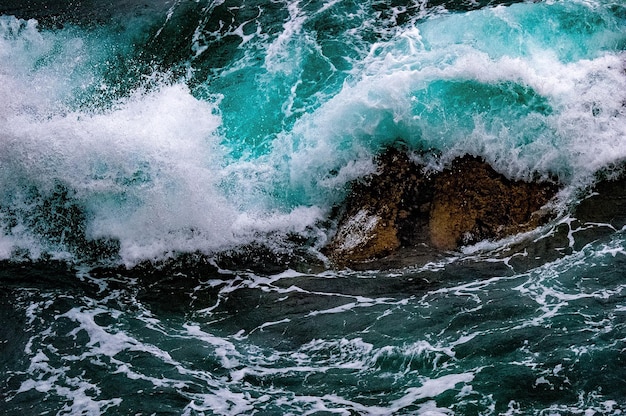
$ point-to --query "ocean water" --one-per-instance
(168, 172)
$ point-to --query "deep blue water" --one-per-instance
(167, 178)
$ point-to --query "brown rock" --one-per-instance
(472, 202)
(401, 206)
(368, 228)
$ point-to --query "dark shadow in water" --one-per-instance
(56, 13)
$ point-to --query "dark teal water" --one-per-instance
(167, 175)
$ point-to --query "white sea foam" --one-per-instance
(583, 132)
(417, 358)
(102, 341)
(279, 57)
(148, 170)
(432, 388)
(225, 350)
(548, 285)
(77, 392)
(138, 168)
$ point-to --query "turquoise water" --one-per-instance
(167, 179)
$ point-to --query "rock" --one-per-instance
(375, 211)
(403, 206)
(472, 202)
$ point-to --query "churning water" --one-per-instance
(167, 175)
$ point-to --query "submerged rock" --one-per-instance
(404, 206)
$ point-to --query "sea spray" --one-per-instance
(146, 153)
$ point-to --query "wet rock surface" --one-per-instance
(404, 213)
(472, 202)
(378, 210)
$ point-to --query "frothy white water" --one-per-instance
(578, 128)
(154, 170)
(269, 344)
(144, 170)
(147, 171)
